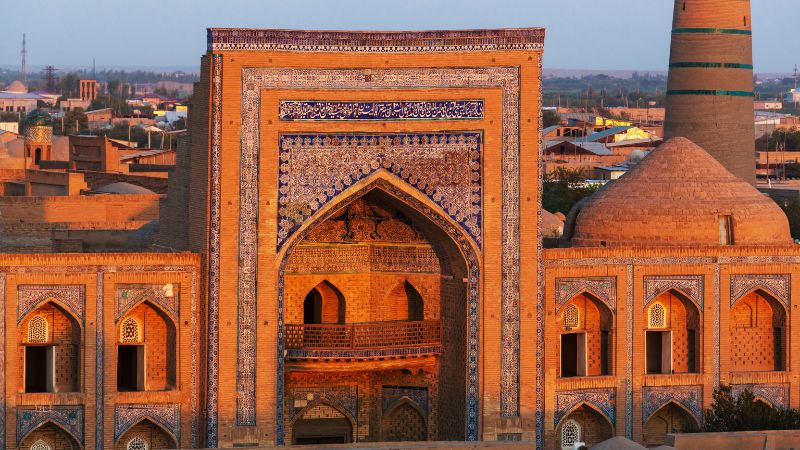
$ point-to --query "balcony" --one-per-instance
(376, 340)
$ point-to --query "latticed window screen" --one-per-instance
(137, 443)
(37, 329)
(41, 445)
(130, 331)
(570, 434)
(658, 316)
(571, 316)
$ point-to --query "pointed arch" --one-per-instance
(75, 441)
(137, 428)
(590, 293)
(589, 405)
(459, 246)
(763, 291)
(157, 306)
(298, 418)
(678, 404)
(324, 303)
(679, 293)
(404, 302)
(667, 419)
(414, 421)
(75, 318)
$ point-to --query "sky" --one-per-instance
(581, 34)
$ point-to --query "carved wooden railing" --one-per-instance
(374, 335)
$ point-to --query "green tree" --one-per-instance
(743, 412)
(550, 118)
(563, 188)
(75, 121)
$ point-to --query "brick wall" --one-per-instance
(82, 209)
(753, 322)
(159, 342)
(670, 419)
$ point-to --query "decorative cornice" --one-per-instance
(778, 285)
(605, 288)
(221, 39)
(690, 285)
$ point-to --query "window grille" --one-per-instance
(658, 316)
(130, 331)
(41, 445)
(570, 434)
(571, 316)
(37, 329)
(137, 443)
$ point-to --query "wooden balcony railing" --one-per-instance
(359, 336)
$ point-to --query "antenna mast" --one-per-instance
(24, 52)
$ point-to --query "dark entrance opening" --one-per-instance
(322, 431)
(312, 308)
(130, 368)
(659, 357)
(573, 355)
(38, 368)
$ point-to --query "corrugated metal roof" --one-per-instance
(144, 153)
(607, 133)
(597, 148)
(550, 129)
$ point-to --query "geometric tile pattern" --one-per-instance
(128, 295)
(604, 288)
(99, 411)
(29, 297)
(294, 110)
(212, 366)
(603, 400)
(69, 418)
(392, 394)
(777, 285)
(690, 397)
(255, 80)
(2, 360)
(221, 39)
(315, 168)
(344, 397)
(166, 415)
(776, 394)
(689, 285)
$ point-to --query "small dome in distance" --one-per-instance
(17, 87)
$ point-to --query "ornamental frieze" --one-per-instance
(604, 288)
(776, 394)
(604, 400)
(689, 397)
(69, 418)
(690, 285)
(129, 295)
(777, 285)
(29, 297)
(344, 397)
(166, 415)
(295, 110)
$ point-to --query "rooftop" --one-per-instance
(220, 39)
(678, 196)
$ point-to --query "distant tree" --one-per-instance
(75, 121)
(563, 188)
(792, 210)
(550, 118)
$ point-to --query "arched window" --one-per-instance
(37, 329)
(130, 331)
(657, 317)
(571, 316)
(570, 434)
(41, 445)
(137, 443)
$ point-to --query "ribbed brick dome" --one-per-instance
(678, 196)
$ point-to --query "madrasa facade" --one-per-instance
(357, 257)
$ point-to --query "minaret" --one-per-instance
(710, 91)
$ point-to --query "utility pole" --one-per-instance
(50, 76)
(24, 52)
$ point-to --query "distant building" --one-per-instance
(72, 103)
(99, 118)
(768, 105)
(793, 96)
(16, 98)
(88, 90)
